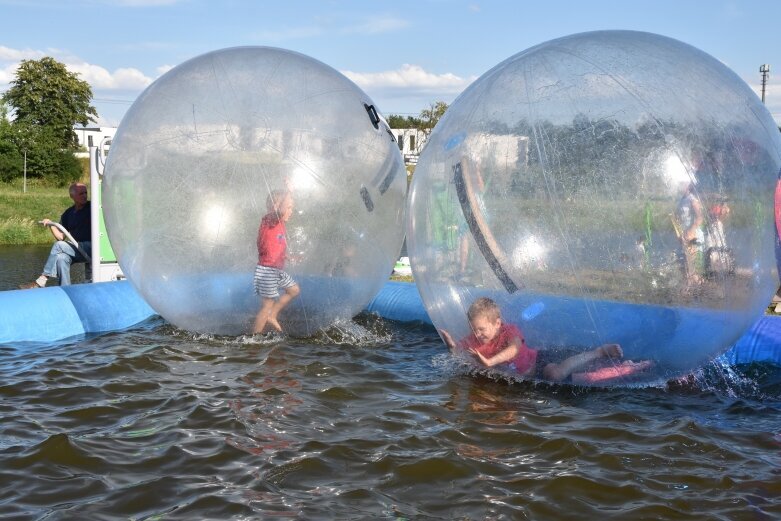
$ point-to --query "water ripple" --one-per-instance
(367, 420)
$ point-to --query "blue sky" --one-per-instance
(405, 54)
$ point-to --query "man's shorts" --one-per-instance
(268, 281)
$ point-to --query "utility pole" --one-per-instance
(765, 70)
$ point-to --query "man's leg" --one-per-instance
(63, 266)
(60, 258)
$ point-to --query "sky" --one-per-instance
(405, 55)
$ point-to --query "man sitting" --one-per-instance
(78, 221)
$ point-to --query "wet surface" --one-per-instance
(372, 420)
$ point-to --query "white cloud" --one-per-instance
(16, 55)
(410, 78)
(7, 75)
(98, 77)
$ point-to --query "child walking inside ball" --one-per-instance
(270, 276)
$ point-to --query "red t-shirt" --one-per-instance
(525, 358)
(272, 243)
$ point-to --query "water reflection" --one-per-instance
(20, 264)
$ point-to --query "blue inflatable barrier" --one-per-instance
(56, 313)
(761, 343)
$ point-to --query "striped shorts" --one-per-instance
(268, 281)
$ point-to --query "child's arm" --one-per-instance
(505, 355)
(448, 340)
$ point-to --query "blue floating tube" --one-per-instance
(51, 314)
(760, 343)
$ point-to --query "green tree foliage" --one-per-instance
(426, 121)
(46, 159)
(588, 157)
(431, 116)
(45, 94)
(11, 160)
(397, 121)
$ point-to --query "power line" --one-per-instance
(115, 101)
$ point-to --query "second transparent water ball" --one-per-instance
(610, 186)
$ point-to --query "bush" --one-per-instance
(56, 166)
(84, 165)
(17, 230)
(11, 161)
(20, 211)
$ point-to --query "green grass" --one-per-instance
(20, 211)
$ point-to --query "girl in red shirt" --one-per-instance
(270, 276)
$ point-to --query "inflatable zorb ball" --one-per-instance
(197, 155)
(603, 187)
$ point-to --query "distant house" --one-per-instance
(93, 137)
(410, 141)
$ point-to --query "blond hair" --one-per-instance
(484, 307)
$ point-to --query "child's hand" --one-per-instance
(448, 339)
(480, 357)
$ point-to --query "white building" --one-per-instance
(93, 137)
(410, 141)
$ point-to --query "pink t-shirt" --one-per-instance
(272, 243)
(526, 357)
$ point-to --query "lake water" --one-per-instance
(371, 420)
(20, 264)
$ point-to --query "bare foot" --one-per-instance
(272, 322)
(611, 350)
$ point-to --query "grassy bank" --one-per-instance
(20, 211)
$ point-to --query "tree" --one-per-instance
(431, 116)
(11, 160)
(45, 94)
(397, 121)
(46, 158)
(425, 122)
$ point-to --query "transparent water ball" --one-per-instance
(605, 187)
(193, 163)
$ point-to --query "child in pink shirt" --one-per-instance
(270, 276)
(495, 342)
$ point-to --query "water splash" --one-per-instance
(365, 330)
